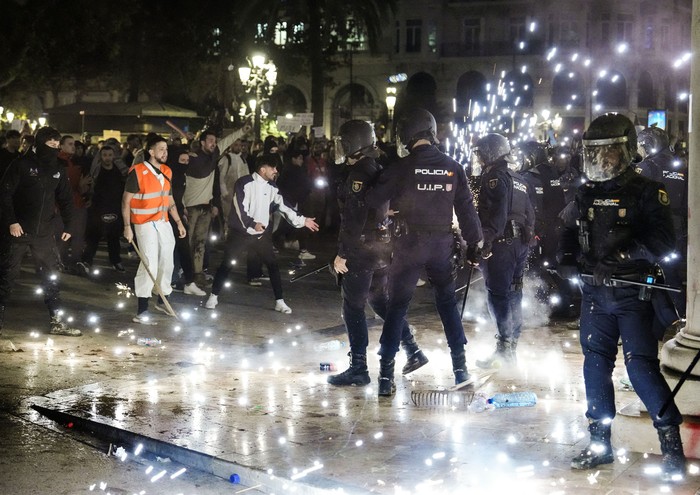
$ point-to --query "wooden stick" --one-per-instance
(171, 312)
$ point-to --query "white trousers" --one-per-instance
(157, 245)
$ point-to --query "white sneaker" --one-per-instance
(192, 290)
(145, 318)
(305, 255)
(282, 307)
(212, 301)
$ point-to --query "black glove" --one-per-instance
(486, 251)
(473, 254)
(566, 271)
(604, 270)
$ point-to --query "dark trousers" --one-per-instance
(98, 229)
(503, 277)
(609, 314)
(360, 286)
(71, 251)
(183, 254)
(12, 252)
(261, 246)
(412, 253)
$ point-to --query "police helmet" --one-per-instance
(490, 148)
(609, 144)
(532, 154)
(355, 138)
(415, 124)
(652, 140)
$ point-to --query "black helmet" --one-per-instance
(532, 154)
(355, 138)
(44, 134)
(609, 144)
(652, 140)
(491, 147)
(415, 124)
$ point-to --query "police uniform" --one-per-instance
(628, 214)
(507, 219)
(425, 188)
(665, 168)
(364, 243)
(546, 190)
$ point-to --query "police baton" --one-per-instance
(470, 270)
(312, 272)
(648, 283)
(680, 383)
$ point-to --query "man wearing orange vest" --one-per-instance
(145, 205)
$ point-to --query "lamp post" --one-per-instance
(258, 77)
(390, 105)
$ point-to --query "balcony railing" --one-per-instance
(491, 48)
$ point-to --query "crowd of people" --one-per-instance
(595, 218)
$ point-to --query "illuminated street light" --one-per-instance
(259, 78)
(390, 105)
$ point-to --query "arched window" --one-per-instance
(287, 99)
(519, 90)
(471, 88)
(645, 91)
(612, 90)
(567, 89)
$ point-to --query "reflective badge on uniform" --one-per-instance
(493, 183)
(448, 187)
(622, 212)
(591, 214)
(356, 186)
(663, 198)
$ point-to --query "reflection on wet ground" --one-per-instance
(243, 384)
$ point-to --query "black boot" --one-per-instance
(503, 355)
(459, 365)
(387, 387)
(356, 374)
(599, 449)
(414, 356)
(58, 327)
(673, 460)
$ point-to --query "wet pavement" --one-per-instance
(241, 385)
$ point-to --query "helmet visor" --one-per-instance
(401, 148)
(477, 164)
(339, 153)
(605, 161)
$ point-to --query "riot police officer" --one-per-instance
(364, 252)
(659, 164)
(546, 189)
(618, 227)
(507, 219)
(425, 187)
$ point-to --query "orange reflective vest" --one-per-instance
(152, 201)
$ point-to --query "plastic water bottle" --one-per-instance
(514, 399)
(479, 404)
(331, 345)
(148, 341)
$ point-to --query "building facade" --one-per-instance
(570, 59)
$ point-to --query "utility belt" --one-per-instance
(401, 227)
(649, 275)
(512, 231)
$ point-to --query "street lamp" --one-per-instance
(390, 105)
(259, 77)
